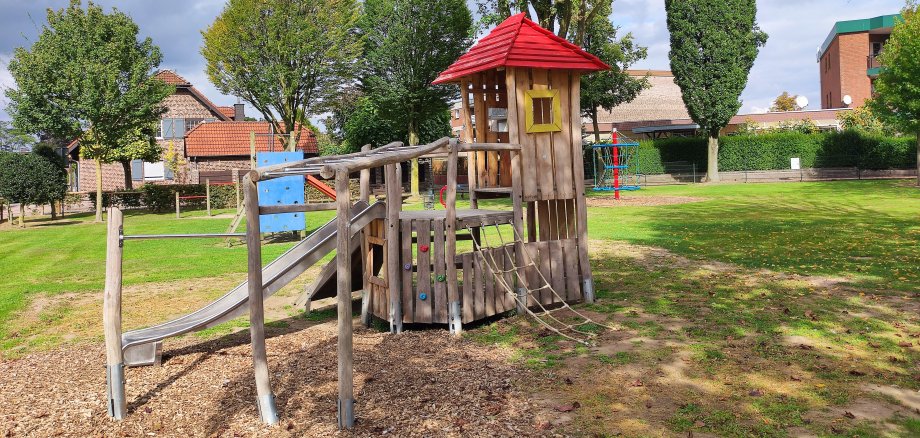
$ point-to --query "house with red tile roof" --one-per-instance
(211, 142)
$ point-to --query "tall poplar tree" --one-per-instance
(713, 46)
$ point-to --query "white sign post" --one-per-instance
(795, 163)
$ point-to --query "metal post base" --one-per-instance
(588, 288)
(115, 387)
(396, 320)
(267, 409)
(366, 308)
(346, 414)
(456, 321)
(521, 301)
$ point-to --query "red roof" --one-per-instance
(519, 42)
(231, 139)
(171, 78)
(227, 111)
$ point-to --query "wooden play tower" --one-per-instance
(520, 100)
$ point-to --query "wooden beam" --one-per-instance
(470, 147)
(297, 208)
(266, 400)
(346, 401)
(466, 136)
(383, 159)
(262, 172)
(111, 317)
(578, 174)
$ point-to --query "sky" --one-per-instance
(787, 62)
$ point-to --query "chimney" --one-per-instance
(239, 114)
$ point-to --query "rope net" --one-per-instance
(573, 331)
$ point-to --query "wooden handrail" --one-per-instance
(491, 147)
(389, 157)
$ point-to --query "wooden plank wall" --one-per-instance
(493, 169)
(483, 294)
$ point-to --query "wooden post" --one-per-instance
(346, 401)
(207, 195)
(111, 317)
(365, 181)
(177, 204)
(450, 224)
(393, 185)
(236, 182)
(581, 210)
(266, 400)
(467, 137)
(517, 189)
(252, 150)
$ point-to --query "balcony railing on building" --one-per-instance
(872, 62)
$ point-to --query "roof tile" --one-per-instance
(225, 139)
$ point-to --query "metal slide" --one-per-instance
(143, 347)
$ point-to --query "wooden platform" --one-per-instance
(468, 217)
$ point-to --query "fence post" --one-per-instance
(207, 195)
(177, 204)
(694, 171)
(236, 180)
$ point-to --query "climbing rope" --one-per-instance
(498, 273)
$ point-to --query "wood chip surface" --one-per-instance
(417, 384)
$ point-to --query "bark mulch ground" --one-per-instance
(420, 383)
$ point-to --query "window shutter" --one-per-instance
(179, 128)
(137, 170)
(168, 173)
(168, 128)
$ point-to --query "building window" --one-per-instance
(172, 128)
(875, 49)
(542, 111)
(154, 171)
(192, 123)
(137, 170)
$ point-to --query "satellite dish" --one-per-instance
(847, 100)
(801, 101)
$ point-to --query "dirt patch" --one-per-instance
(423, 383)
(640, 201)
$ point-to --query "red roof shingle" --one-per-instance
(171, 78)
(227, 111)
(225, 139)
(519, 42)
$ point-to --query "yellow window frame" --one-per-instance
(556, 124)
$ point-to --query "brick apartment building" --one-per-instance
(848, 60)
(212, 141)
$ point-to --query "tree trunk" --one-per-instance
(22, 214)
(712, 160)
(413, 181)
(597, 132)
(129, 180)
(53, 210)
(98, 190)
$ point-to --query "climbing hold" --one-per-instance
(423, 296)
(407, 266)
(423, 248)
(442, 278)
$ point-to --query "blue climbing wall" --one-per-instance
(288, 190)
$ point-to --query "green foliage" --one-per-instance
(364, 125)
(863, 119)
(610, 88)
(569, 18)
(785, 102)
(407, 43)
(87, 69)
(31, 179)
(162, 197)
(771, 151)
(713, 46)
(285, 57)
(12, 139)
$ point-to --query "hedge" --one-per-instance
(773, 151)
(158, 197)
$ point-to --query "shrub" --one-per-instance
(772, 151)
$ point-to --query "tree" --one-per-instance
(897, 87)
(139, 144)
(30, 179)
(610, 88)
(569, 18)
(49, 151)
(87, 72)
(285, 57)
(407, 43)
(785, 102)
(12, 139)
(863, 119)
(713, 46)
